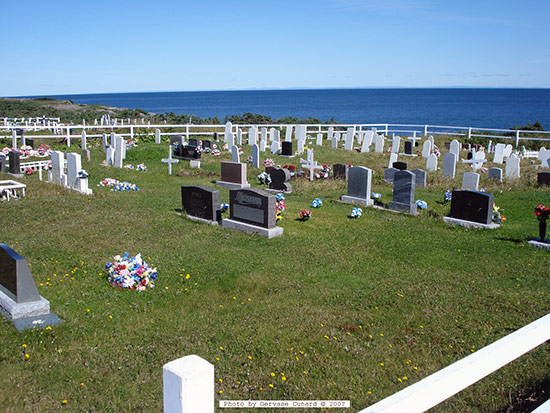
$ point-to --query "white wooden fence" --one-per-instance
(130, 130)
(189, 381)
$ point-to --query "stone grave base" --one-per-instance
(231, 185)
(359, 201)
(253, 229)
(194, 164)
(399, 207)
(16, 175)
(538, 244)
(202, 220)
(469, 224)
(287, 156)
(277, 191)
(412, 155)
(27, 315)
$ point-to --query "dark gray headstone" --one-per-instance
(495, 174)
(403, 192)
(449, 165)
(389, 174)
(176, 140)
(201, 202)
(252, 206)
(279, 179)
(472, 206)
(359, 182)
(408, 148)
(215, 136)
(543, 178)
(2, 163)
(15, 277)
(193, 142)
(340, 170)
(207, 144)
(420, 178)
(286, 149)
(234, 172)
(30, 142)
(402, 166)
(15, 163)
(469, 155)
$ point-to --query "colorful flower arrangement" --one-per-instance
(29, 171)
(141, 167)
(83, 174)
(356, 212)
(130, 272)
(216, 152)
(117, 185)
(324, 173)
(26, 151)
(269, 162)
(280, 206)
(542, 213)
(224, 207)
(317, 203)
(264, 178)
(447, 196)
(421, 204)
(497, 215)
(435, 151)
(225, 147)
(305, 214)
(249, 159)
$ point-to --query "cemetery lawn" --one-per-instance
(336, 308)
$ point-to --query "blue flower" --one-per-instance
(421, 204)
(317, 203)
(280, 196)
(356, 212)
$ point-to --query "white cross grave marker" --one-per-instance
(170, 161)
(310, 164)
(477, 159)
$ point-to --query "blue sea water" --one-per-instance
(489, 108)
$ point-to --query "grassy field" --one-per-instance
(336, 308)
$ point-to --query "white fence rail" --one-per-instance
(129, 130)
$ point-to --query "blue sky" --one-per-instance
(65, 47)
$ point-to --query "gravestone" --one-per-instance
(337, 136)
(272, 134)
(301, 131)
(109, 156)
(252, 135)
(544, 157)
(13, 139)
(396, 142)
(476, 160)
(74, 166)
(157, 136)
(420, 178)
(170, 160)
(84, 146)
(310, 164)
(512, 167)
(359, 186)
(207, 144)
(333, 142)
(228, 129)
(455, 148)
(431, 139)
(57, 171)
(279, 179)
(255, 156)
(104, 142)
(300, 146)
(177, 140)
(340, 171)
(402, 166)
(408, 148)
(508, 151)
(543, 178)
(403, 192)
(499, 153)
(319, 141)
(263, 144)
(378, 143)
(367, 141)
(201, 203)
(389, 174)
(275, 146)
(288, 133)
(235, 154)
(330, 132)
(449, 165)
(192, 142)
(287, 149)
(263, 136)
(233, 175)
(426, 149)
(470, 181)
(20, 301)
(239, 136)
(230, 140)
(350, 133)
(431, 163)
(254, 211)
(118, 158)
(495, 174)
(2, 162)
(472, 207)
(14, 167)
(393, 159)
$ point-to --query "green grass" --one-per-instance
(322, 306)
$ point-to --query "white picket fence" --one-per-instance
(130, 130)
(189, 381)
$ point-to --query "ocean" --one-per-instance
(489, 108)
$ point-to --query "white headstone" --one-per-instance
(512, 167)
(83, 143)
(263, 142)
(367, 141)
(255, 156)
(288, 134)
(109, 156)
(58, 167)
(334, 142)
(350, 135)
(263, 135)
(508, 151)
(277, 135)
(230, 140)
(301, 131)
(235, 154)
(13, 139)
(330, 133)
(227, 131)
(455, 148)
(427, 149)
(544, 157)
(337, 136)
(310, 164)
(272, 134)
(449, 165)
(319, 141)
(396, 142)
(470, 181)
(169, 161)
(431, 163)
(119, 155)
(157, 136)
(275, 146)
(378, 143)
(300, 146)
(74, 165)
(431, 139)
(252, 135)
(499, 153)
(112, 139)
(239, 136)
(393, 158)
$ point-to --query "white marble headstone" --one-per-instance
(396, 142)
(379, 143)
(426, 149)
(470, 181)
(512, 167)
(235, 155)
(319, 141)
(431, 163)
(499, 153)
(393, 158)
(455, 148)
(367, 141)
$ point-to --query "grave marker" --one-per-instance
(512, 167)
(279, 179)
(287, 149)
(169, 160)
(543, 178)
(449, 165)
(420, 178)
(255, 156)
(470, 181)
(471, 209)
(235, 154)
(359, 186)
(233, 175)
(495, 174)
(201, 203)
(403, 192)
(340, 171)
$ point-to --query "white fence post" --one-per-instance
(469, 133)
(188, 385)
(517, 138)
(425, 130)
(132, 133)
(386, 132)
(68, 136)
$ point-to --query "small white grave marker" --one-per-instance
(170, 161)
(310, 164)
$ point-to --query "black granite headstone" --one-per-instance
(252, 206)
(176, 140)
(15, 163)
(340, 171)
(2, 163)
(472, 206)
(408, 148)
(215, 136)
(201, 202)
(469, 155)
(287, 149)
(402, 166)
(207, 144)
(279, 179)
(15, 277)
(193, 142)
(543, 178)
(30, 142)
